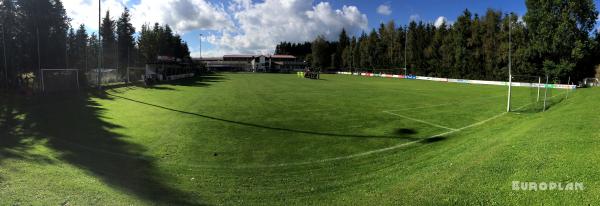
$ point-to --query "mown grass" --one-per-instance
(276, 139)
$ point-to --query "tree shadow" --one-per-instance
(434, 139)
(72, 125)
(197, 81)
(405, 135)
(405, 131)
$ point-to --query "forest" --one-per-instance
(36, 34)
(555, 38)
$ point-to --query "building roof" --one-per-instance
(283, 56)
(208, 59)
(239, 56)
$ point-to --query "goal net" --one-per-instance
(535, 93)
(55, 80)
(591, 82)
(104, 77)
(527, 92)
(135, 74)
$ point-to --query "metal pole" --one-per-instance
(509, 65)
(200, 55)
(67, 55)
(405, 45)
(4, 53)
(99, 43)
(77, 72)
(568, 89)
(128, 80)
(37, 31)
(538, 86)
(545, 93)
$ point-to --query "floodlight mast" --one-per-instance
(4, 53)
(99, 43)
(405, 45)
(509, 64)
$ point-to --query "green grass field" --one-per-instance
(275, 139)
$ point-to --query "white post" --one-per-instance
(509, 65)
(538, 86)
(569, 89)
(545, 93)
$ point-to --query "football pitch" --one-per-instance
(247, 139)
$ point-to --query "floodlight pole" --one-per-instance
(545, 93)
(4, 53)
(509, 65)
(37, 32)
(538, 86)
(568, 89)
(99, 43)
(405, 45)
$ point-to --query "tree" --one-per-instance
(319, 53)
(10, 29)
(125, 39)
(80, 48)
(559, 32)
(343, 43)
(109, 42)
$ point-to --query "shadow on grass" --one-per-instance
(197, 81)
(400, 134)
(72, 126)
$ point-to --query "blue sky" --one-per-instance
(251, 26)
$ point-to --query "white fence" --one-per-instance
(464, 81)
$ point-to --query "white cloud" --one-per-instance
(384, 10)
(440, 20)
(86, 11)
(415, 17)
(240, 26)
(262, 25)
(182, 15)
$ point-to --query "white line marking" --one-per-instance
(450, 103)
(421, 121)
(377, 150)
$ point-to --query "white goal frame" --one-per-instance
(586, 80)
(537, 85)
(44, 70)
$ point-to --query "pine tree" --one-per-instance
(125, 39)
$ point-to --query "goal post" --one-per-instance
(135, 74)
(525, 93)
(537, 93)
(59, 79)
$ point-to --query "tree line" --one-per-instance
(37, 34)
(554, 38)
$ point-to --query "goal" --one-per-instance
(526, 93)
(104, 76)
(591, 82)
(55, 80)
(135, 74)
(536, 93)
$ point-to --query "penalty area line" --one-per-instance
(421, 121)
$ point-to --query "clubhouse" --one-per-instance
(252, 63)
